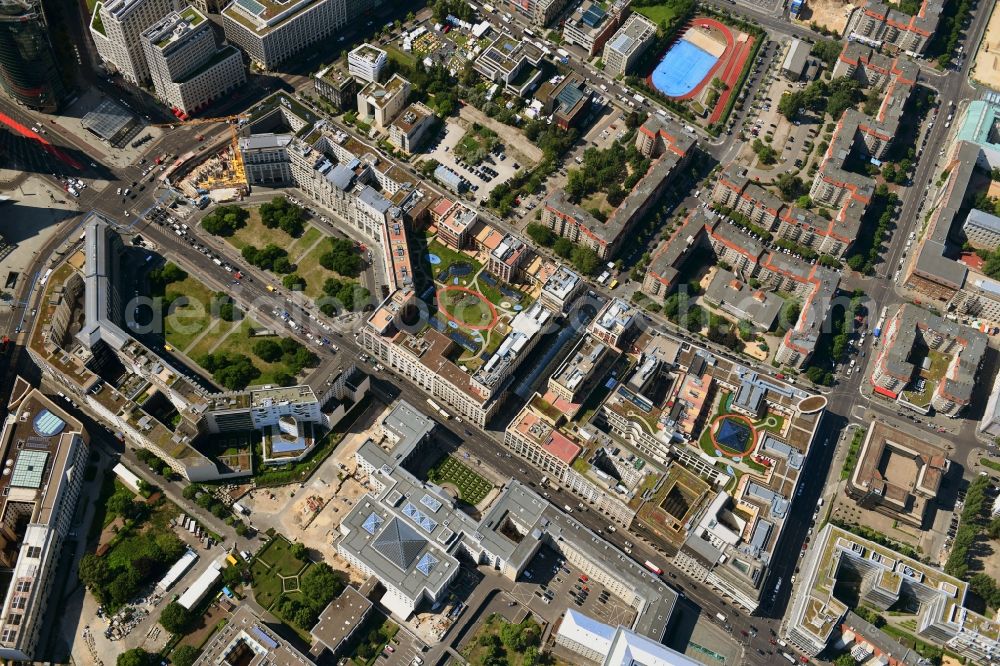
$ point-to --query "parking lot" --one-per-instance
(763, 121)
(496, 168)
(550, 584)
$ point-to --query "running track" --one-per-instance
(734, 58)
(51, 149)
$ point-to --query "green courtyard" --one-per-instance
(275, 571)
(449, 471)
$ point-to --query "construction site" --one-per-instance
(214, 172)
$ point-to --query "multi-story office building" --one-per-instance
(187, 68)
(117, 27)
(625, 47)
(29, 69)
(131, 388)
(337, 86)
(512, 63)
(366, 63)
(379, 103)
(46, 450)
(265, 158)
(879, 22)
(271, 31)
(882, 577)
(898, 474)
(611, 646)
(591, 25)
(246, 639)
(408, 534)
(982, 229)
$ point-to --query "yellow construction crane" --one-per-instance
(238, 176)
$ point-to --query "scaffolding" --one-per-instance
(230, 171)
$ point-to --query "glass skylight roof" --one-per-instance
(431, 503)
(418, 516)
(372, 523)
(426, 564)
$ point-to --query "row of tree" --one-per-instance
(584, 259)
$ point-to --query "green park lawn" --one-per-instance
(239, 341)
(187, 320)
(309, 269)
(657, 13)
(448, 257)
(268, 567)
(256, 234)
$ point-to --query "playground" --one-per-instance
(468, 304)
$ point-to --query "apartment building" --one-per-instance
(574, 378)
(188, 70)
(895, 78)
(271, 31)
(425, 356)
(885, 577)
(591, 25)
(366, 62)
(630, 42)
(508, 258)
(674, 149)
(881, 23)
(411, 127)
(749, 259)
(946, 376)
(560, 289)
(46, 450)
(117, 27)
(736, 192)
(455, 224)
(616, 324)
(379, 103)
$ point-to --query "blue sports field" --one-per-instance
(683, 67)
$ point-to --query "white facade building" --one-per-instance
(116, 28)
(187, 68)
(270, 31)
(366, 63)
